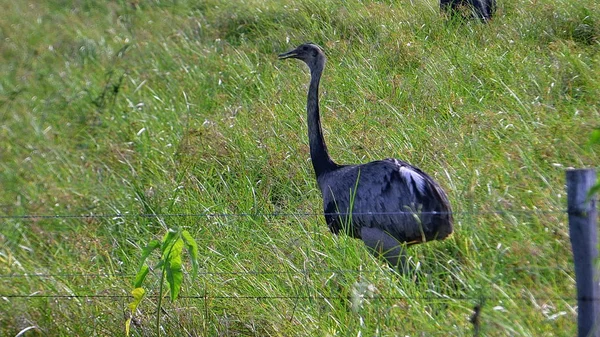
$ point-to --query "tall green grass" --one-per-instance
(181, 107)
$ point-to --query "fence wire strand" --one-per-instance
(262, 214)
(292, 297)
(305, 272)
(251, 272)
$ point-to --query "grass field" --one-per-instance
(181, 107)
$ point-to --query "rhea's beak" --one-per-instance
(289, 54)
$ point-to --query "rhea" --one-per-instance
(388, 204)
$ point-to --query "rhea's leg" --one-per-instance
(382, 244)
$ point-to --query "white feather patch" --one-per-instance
(408, 174)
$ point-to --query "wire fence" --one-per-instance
(271, 214)
(304, 272)
(205, 296)
(297, 297)
(250, 272)
(71, 295)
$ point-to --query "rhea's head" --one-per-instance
(310, 53)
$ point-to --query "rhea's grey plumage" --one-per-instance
(483, 9)
(385, 203)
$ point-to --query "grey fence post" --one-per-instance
(584, 240)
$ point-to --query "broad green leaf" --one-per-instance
(173, 268)
(138, 295)
(168, 241)
(152, 245)
(141, 276)
(192, 247)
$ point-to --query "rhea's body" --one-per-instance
(389, 195)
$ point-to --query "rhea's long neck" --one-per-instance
(319, 155)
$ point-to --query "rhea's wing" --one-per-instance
(389, 195)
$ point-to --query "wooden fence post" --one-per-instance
(584, 240)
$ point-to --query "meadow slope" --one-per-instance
(180, 109)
